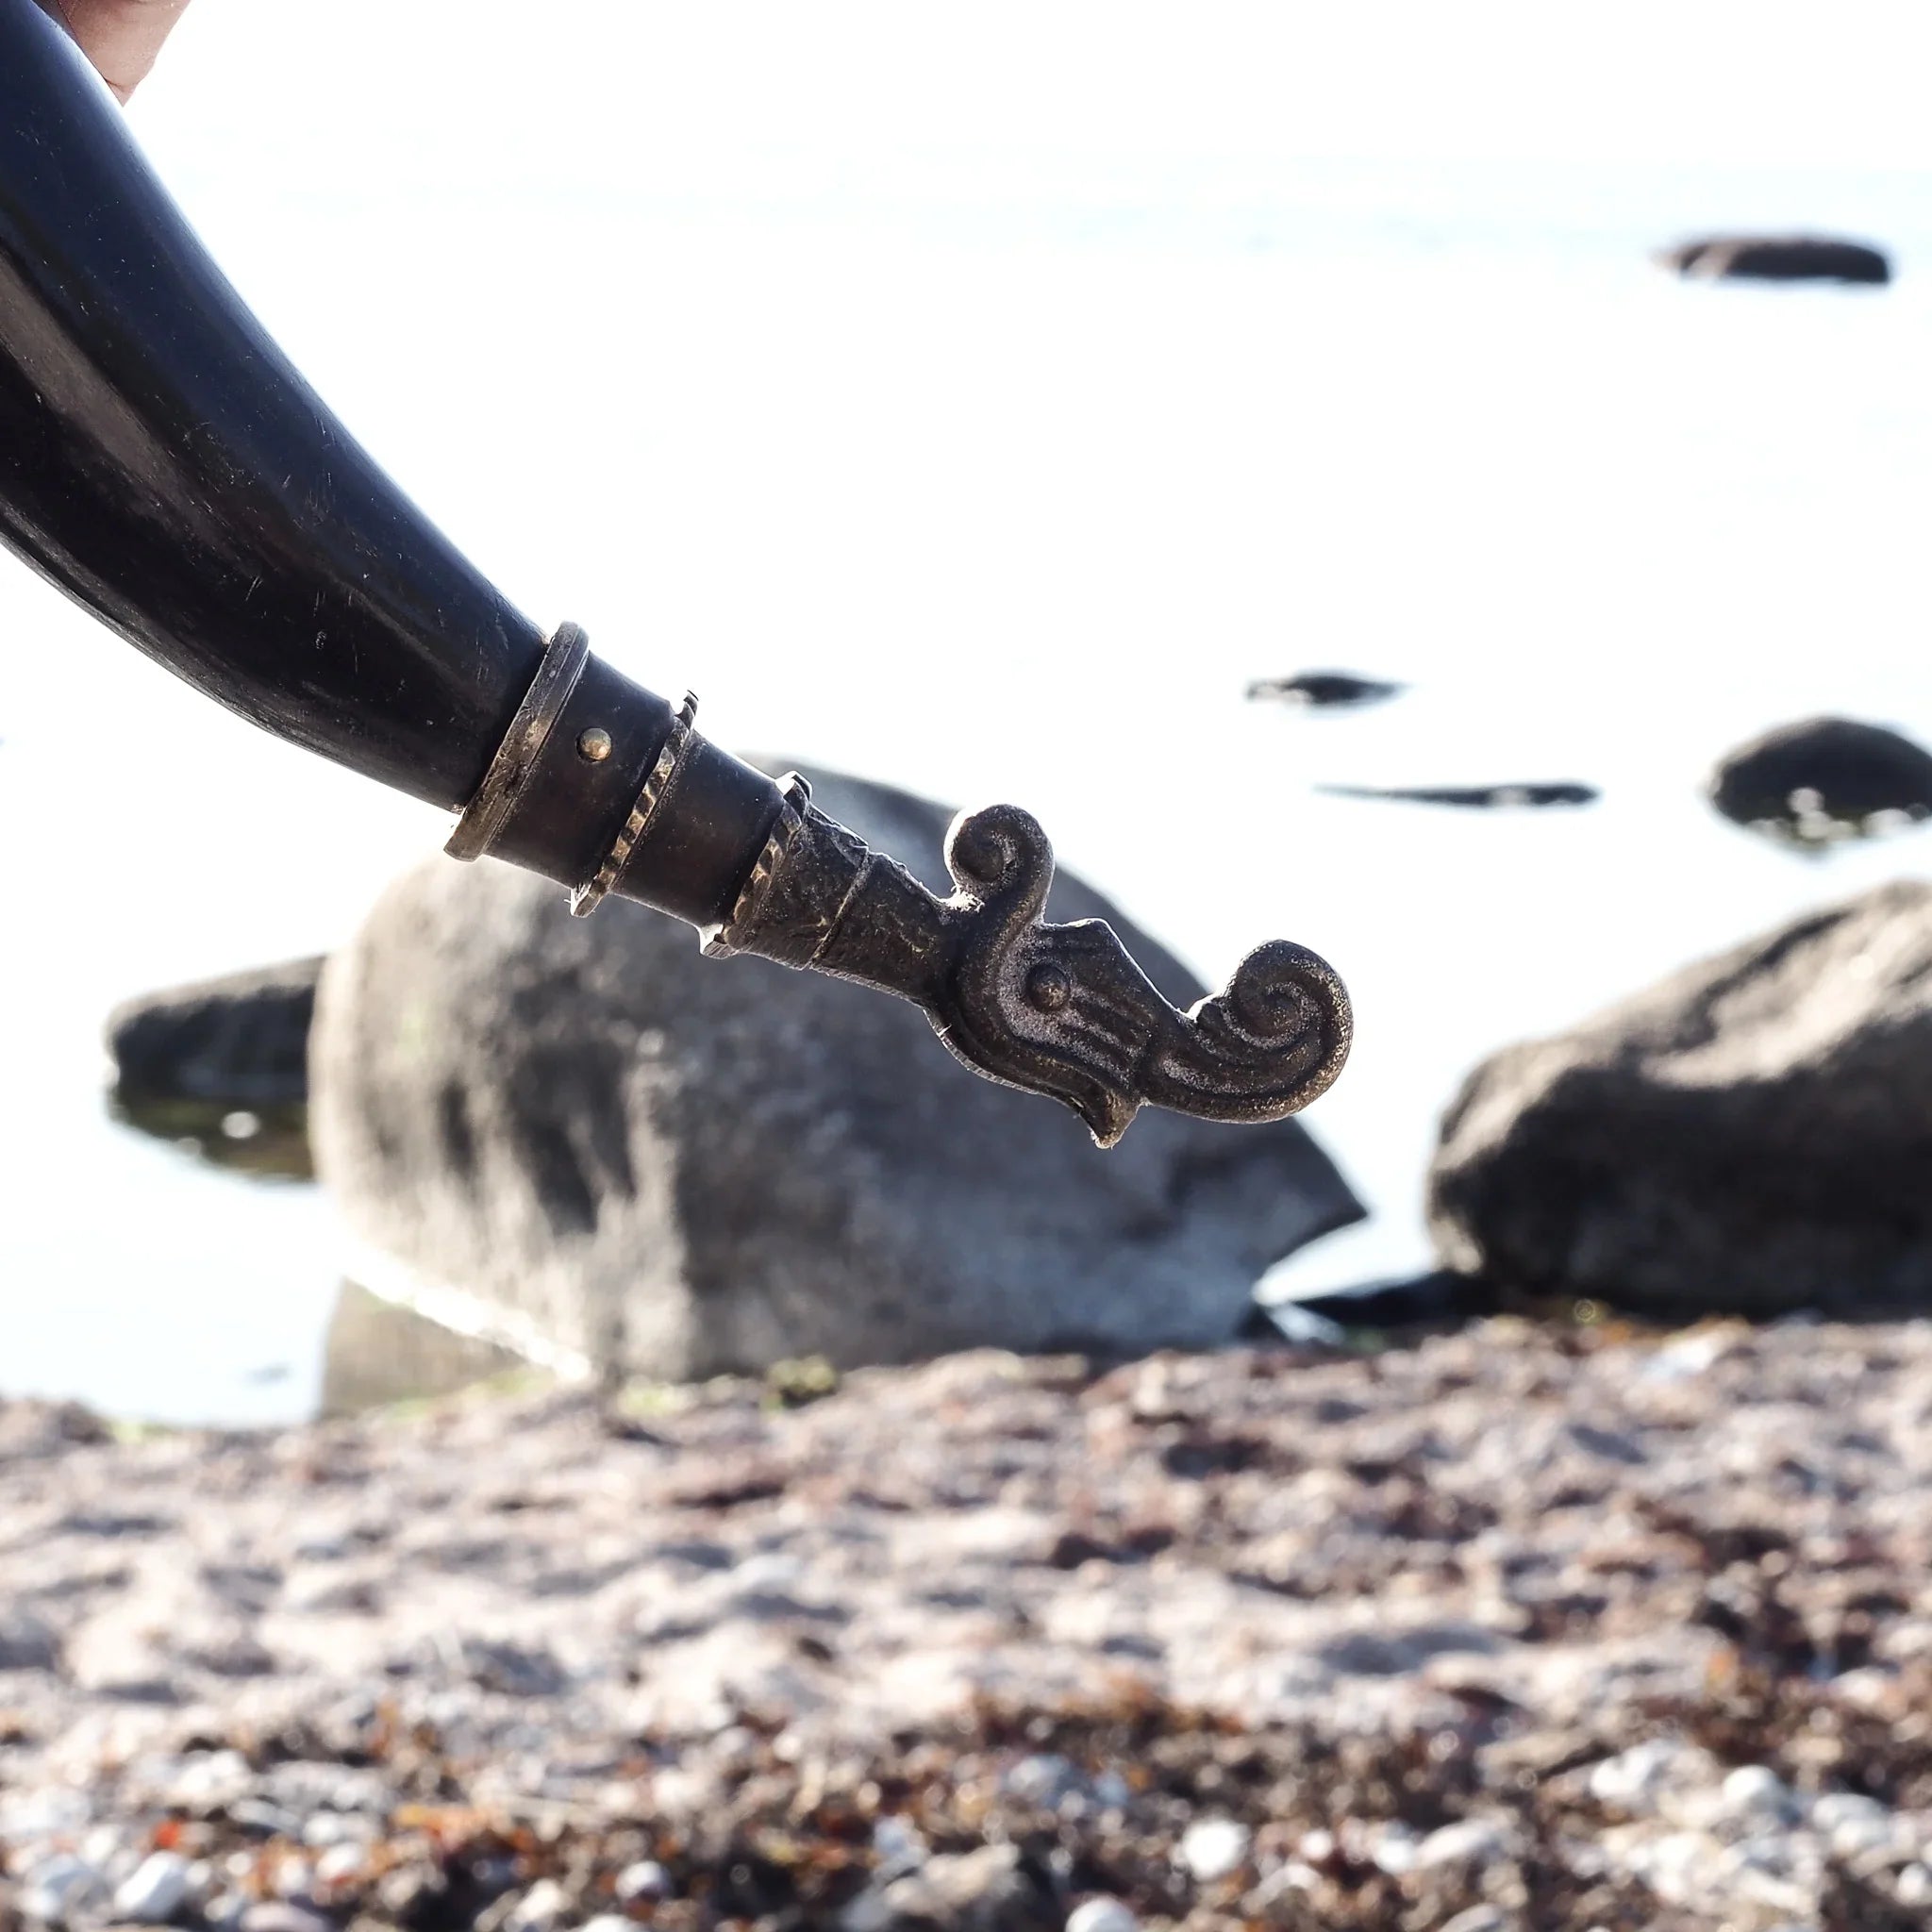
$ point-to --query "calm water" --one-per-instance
(1004, 480)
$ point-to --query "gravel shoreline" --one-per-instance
(1519, 1627)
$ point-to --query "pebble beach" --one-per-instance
(1525, 1627)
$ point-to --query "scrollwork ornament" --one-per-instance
(1056, 1010)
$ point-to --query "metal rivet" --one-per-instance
(594, 745)
(1048, 988)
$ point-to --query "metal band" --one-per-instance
(672, 759)
(720, 941)
(489, 811)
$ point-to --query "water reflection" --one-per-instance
(269, 1141)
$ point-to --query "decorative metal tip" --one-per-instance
(1057, 1009)
(1065, 1010)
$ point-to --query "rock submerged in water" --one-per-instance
(240, 1041)
(1821, 780)
(1473, 797)
(221, 1067)
(1753, 1136)
(1325, 690)
(679, 1167)
(1778, 258)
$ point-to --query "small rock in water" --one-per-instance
(1824, 779)
(152, 1894)
(1212, 1848)
(1325, 690)
(1778, 258)
(1102, 1915)
(1473, 797)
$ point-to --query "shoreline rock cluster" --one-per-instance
(1516, 1631)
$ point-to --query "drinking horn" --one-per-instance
(162, 462)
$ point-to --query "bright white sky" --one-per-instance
(1646, 80)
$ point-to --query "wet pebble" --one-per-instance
(154, 1891)
(60, 1889)
(1755, 1790)
(1102, 1915)
(1397, 1850)
(1214, 1848)
(1478, 1919)
(643, 1883)
(543, 1907)
(1468, 1841)
(984, 1890)
(282, 1915)
(1853, 1825)
(1632, 1779)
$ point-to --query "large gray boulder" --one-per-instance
(679, 1166)
(1753, 1135)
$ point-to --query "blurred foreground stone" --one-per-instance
(680, 1166)
(1751, 1136)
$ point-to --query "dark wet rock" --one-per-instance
(1325, 690)
(1824, 779)
(1753, 1135)
(240, 1041)
(1472, 797)
(379, 1352)
(1439, 1298)
(1778, 258)
(221, 1067)
(682, 1166)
